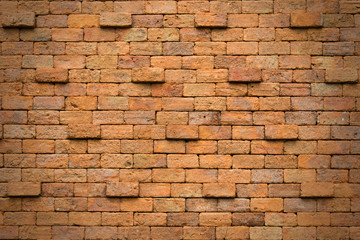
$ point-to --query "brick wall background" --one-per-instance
(180, 119)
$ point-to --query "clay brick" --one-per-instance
(145, 48)
(206, 118)
(182, 132)
(215, 161)
(66, 7)
(38, 146)
(154, 190)
(284, 190)
(281, 161)
(267, 147)
(193, 7)
(294, 62)
(266, 204)
(228, 35)
(19, 131)
(299, 232)
(318, 189)
(242, 48)
(267, 175)
(154, 21)
(245, 161)
(21, 20)
(133, 232)
(85, 218)
(219, 190)
(172, 118)
(215, 219)
(256, 7)
(259, 34)
(114, 19)
(21, 189)
(234, 176)
(199, 233)
(52, 75)
(149, 161)
(122, 189)
(182, 161)
(143, 75)
(210, 103)
(169, 146)
(169, 204)
(306, 20)
(210, 20)
(248, 219)
(198, 62)
(244, 75)
(214, 132)
(341, 75)
(281, 132)
(83, 131)
(131, 34)
(168, 175)
(333, 147)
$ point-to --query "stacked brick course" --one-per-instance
(180, 119)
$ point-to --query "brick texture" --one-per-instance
(182, 119)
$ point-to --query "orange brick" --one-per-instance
(266, 232)
(266, 204)
(281, 132)
(114, 19)
(341, 75)
(150, 219)
(219, 190)
(233, 232)
(233, 147)
(83, 131)
(169, 204)
(280, 219)
(215, 219)
(244, 75)
(309, 19)
(182, 132)
(313, 219)
(169, 146)
(318, 189)
(85, 218)
(299, 232)
(23, 20)
(137, 204)
(168, 175)
(267, 147)
(210, 20)
(182, 161)
(122, 189)
(154, 190)
(137, 146)
(186, 190)
(148, 75)
(149, 161)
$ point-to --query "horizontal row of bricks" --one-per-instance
(157, 75)
(183, 132)
(113, 19)
(182, 146)
(78, 158)
(172, 7)
(190, 205)
(187, 232)
(219, 190)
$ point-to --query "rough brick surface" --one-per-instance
(179, 119)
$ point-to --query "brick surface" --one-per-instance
(179, 119)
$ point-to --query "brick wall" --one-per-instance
(180, 119)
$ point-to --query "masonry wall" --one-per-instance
(180, 119)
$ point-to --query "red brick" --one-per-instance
(23, 189)
(314, 161)
(215, 219)
(333, 147)
(71, 204)
(248, 219)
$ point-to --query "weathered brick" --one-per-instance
(23, 19)
(114, 19)
(122, 189)
(341, 75)
(210, 20)
(182, 132)
(281, 132)
(306, 20)
(244, 75)
(21, 189)
(318, 189)
(143, 75)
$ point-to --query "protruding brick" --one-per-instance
(79, 131)
(115, 19)
(21, 20)
(306, 20)
(244, 75)
(144, 75)
(317, 189)
(23, 189)
(182, 132)
(52, 75)
(215, 20)
(122, 189)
